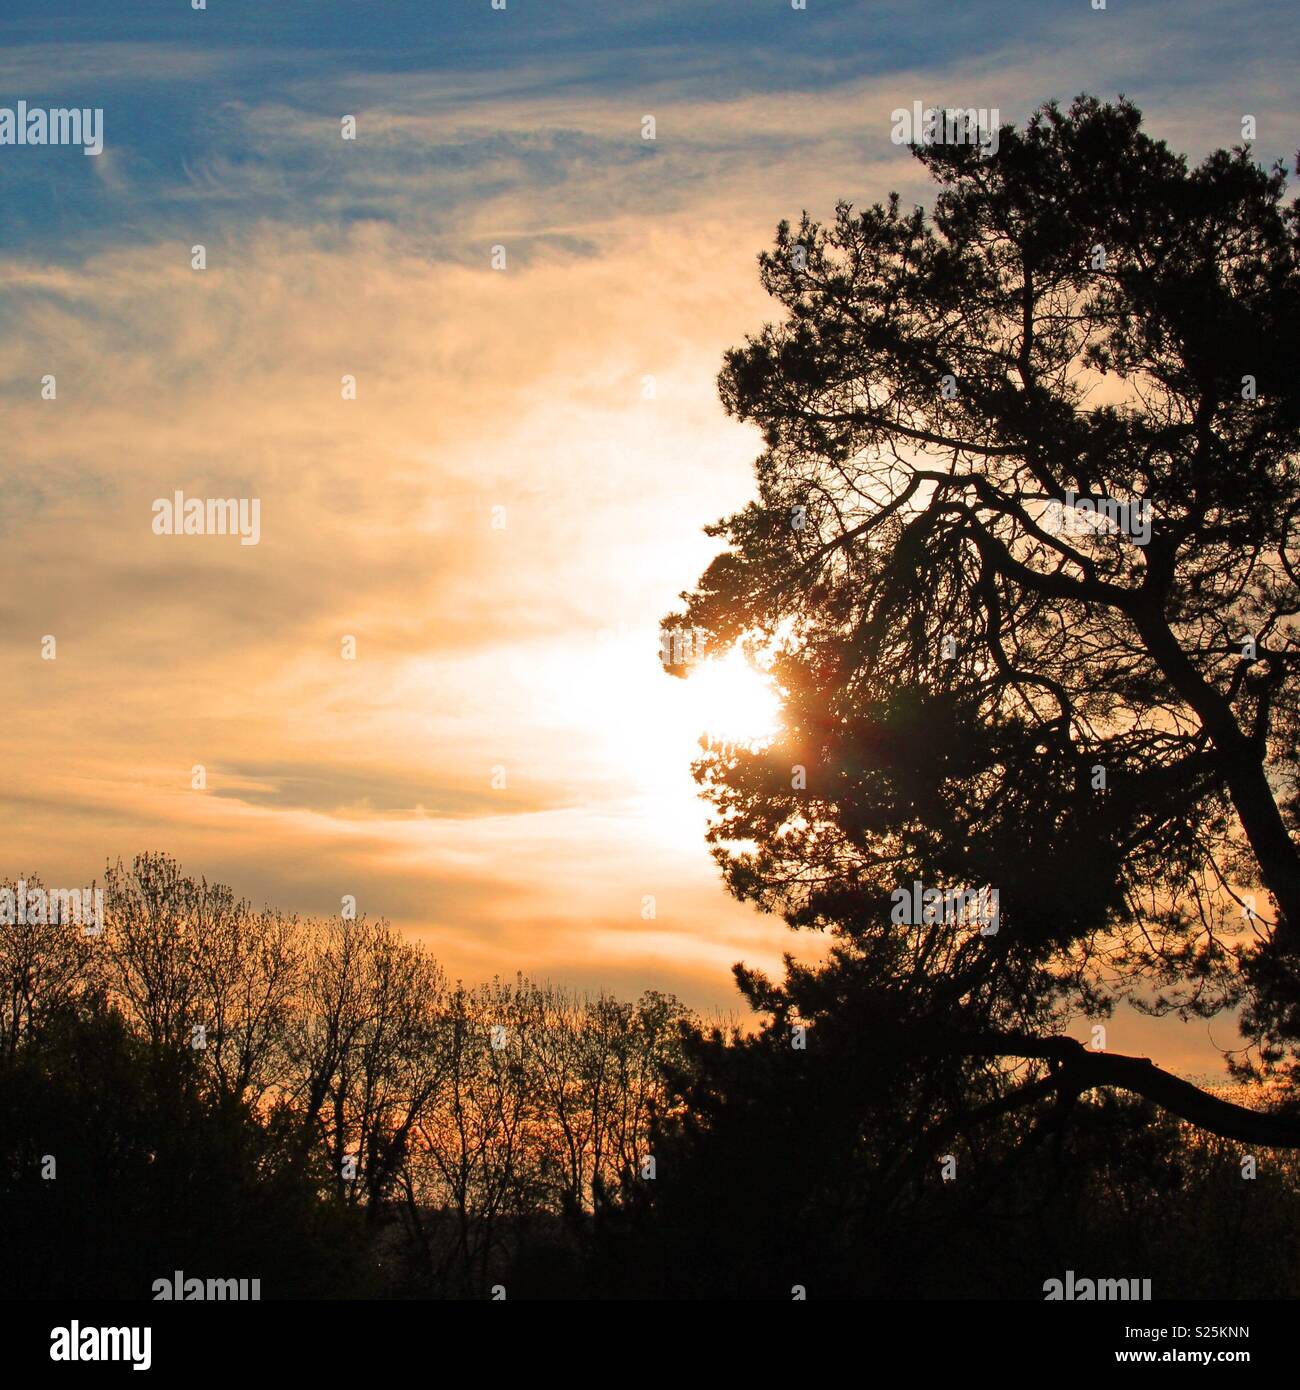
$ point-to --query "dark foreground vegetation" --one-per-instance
(233, 1093)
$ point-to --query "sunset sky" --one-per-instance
(530, 647)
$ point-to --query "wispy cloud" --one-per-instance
(574, 390)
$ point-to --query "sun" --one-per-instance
(638, 729)
(732, 701)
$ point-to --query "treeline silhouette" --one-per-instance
(230, 1092)
(237, 1093)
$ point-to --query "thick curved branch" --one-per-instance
(1080, 1069)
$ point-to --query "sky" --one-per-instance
(533, 301)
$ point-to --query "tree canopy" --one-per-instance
(1022, 558)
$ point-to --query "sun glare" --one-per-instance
(732, 701)
(650, 722)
